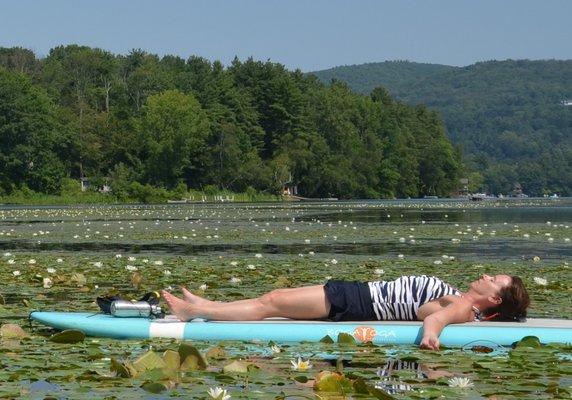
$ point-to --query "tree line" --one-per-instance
(167, 122)
(507, 116)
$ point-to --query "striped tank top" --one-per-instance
(400, 299)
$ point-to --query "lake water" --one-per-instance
(509, 229)
(61, 258)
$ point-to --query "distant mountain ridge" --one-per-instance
(364, 77)
(507, 116)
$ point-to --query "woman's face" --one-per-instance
(491, 285)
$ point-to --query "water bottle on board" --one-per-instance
(125, 308)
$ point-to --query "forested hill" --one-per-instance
(392, 75)
(144, 122)
(507, 116)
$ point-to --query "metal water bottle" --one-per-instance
(124, 308)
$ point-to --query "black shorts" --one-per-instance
(350, 301)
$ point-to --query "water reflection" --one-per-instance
(390, 380)
(40, 389)
(392, 373)
(502, 248)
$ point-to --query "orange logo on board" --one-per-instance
(364, 333)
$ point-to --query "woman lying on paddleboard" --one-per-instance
(408, 298)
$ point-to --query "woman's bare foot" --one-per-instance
(179, 307)
(193, 298)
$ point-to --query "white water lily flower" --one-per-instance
(334, 261)
(131, 268)
(460, 382)
(204, 287)
(251, 267)
(235, 280)
(31, 261)
(166, 272)
(48, 283)
(311, 253)
(51, 270)
(132, 258)
(275, 349)
(536, 259)
(400, 256)
(145, 261)
(234, 263)
(540, 281)
(379, 271)
(59, 260)
(258, 255)
(437, 262)
(7, 254)
(300, 365)
(401, 240)
(218, 393)
(306, 240)
(158, 262)
(118, 256)
(11, 261)
(98, 264)
(16, 273)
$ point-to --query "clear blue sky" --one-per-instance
(305, 34)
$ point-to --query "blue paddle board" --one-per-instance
(285, 330)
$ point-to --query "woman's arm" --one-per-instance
(433, 324)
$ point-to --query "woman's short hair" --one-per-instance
(514, 303)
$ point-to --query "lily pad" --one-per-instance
(346, 338)
(191, 358)
(122, 370)
(68, 336)
(216, 353)
(529, 341)
(13, 331)
(327, 339)
(156, 387)
(172, 359)
(237, 367)
(149, 361)
(332, 382)
(78, 279)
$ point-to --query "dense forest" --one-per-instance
(507, 116)
(140, 122)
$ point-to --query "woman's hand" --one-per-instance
(433, 324)
(430, 342)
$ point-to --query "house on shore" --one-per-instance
(86, 184)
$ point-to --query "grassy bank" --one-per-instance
(135, 193)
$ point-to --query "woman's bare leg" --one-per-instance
(308, 302)
(194, 298)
